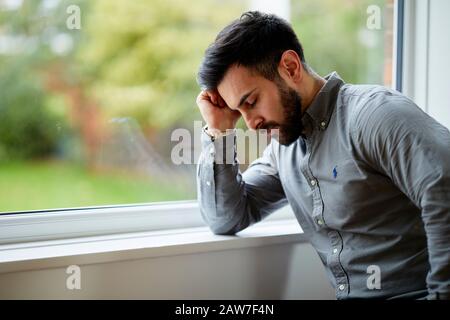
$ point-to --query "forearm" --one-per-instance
(220, 186)
(230, 202)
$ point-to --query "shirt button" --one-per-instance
(342, 287)
(323, 124)
(313, 182)
(208, 183)
(335, 250)
(319, 222)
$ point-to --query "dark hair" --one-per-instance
(256, 40)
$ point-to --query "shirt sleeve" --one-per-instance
(413, 150)
(230, 201)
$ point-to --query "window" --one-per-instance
(91, 91)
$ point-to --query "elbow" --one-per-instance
(223, 226)
(222, 231)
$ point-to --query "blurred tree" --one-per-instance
(30, 126)
(36, 38)
(142, 56)
(27, 128)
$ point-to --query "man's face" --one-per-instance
(264, 104)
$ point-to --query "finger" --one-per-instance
(222, 102)
(203, 95)
(214, 98)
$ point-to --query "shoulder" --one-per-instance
(363, 98)
(375, 108)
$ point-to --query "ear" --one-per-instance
(290, 67)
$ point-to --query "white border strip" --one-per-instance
(395, 47)
(416, 51)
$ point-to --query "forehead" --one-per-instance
(239, 80)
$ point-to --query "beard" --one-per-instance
(291, 129)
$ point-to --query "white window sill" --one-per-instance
(141, 245)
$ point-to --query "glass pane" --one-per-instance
(90, 94)
(96, 96)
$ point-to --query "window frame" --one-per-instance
(415, 55)
(398, 38)
(45, 225)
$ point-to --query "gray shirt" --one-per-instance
(369, 183)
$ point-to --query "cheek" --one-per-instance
(276, 113)
(272, 110)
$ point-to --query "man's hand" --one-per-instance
(218, 116)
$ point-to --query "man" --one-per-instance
(366, 172)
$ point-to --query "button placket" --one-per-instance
(335, 266)
(317, 213)
(317, 210)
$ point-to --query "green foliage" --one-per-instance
(31, 124)
(27, 128)
(142, 56)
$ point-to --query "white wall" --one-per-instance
(285, 271)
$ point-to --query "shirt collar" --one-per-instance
(323, 105)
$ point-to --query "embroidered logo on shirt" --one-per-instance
(335, 172)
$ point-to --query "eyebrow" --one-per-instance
(244, 97)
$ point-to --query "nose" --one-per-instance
(252, 121)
